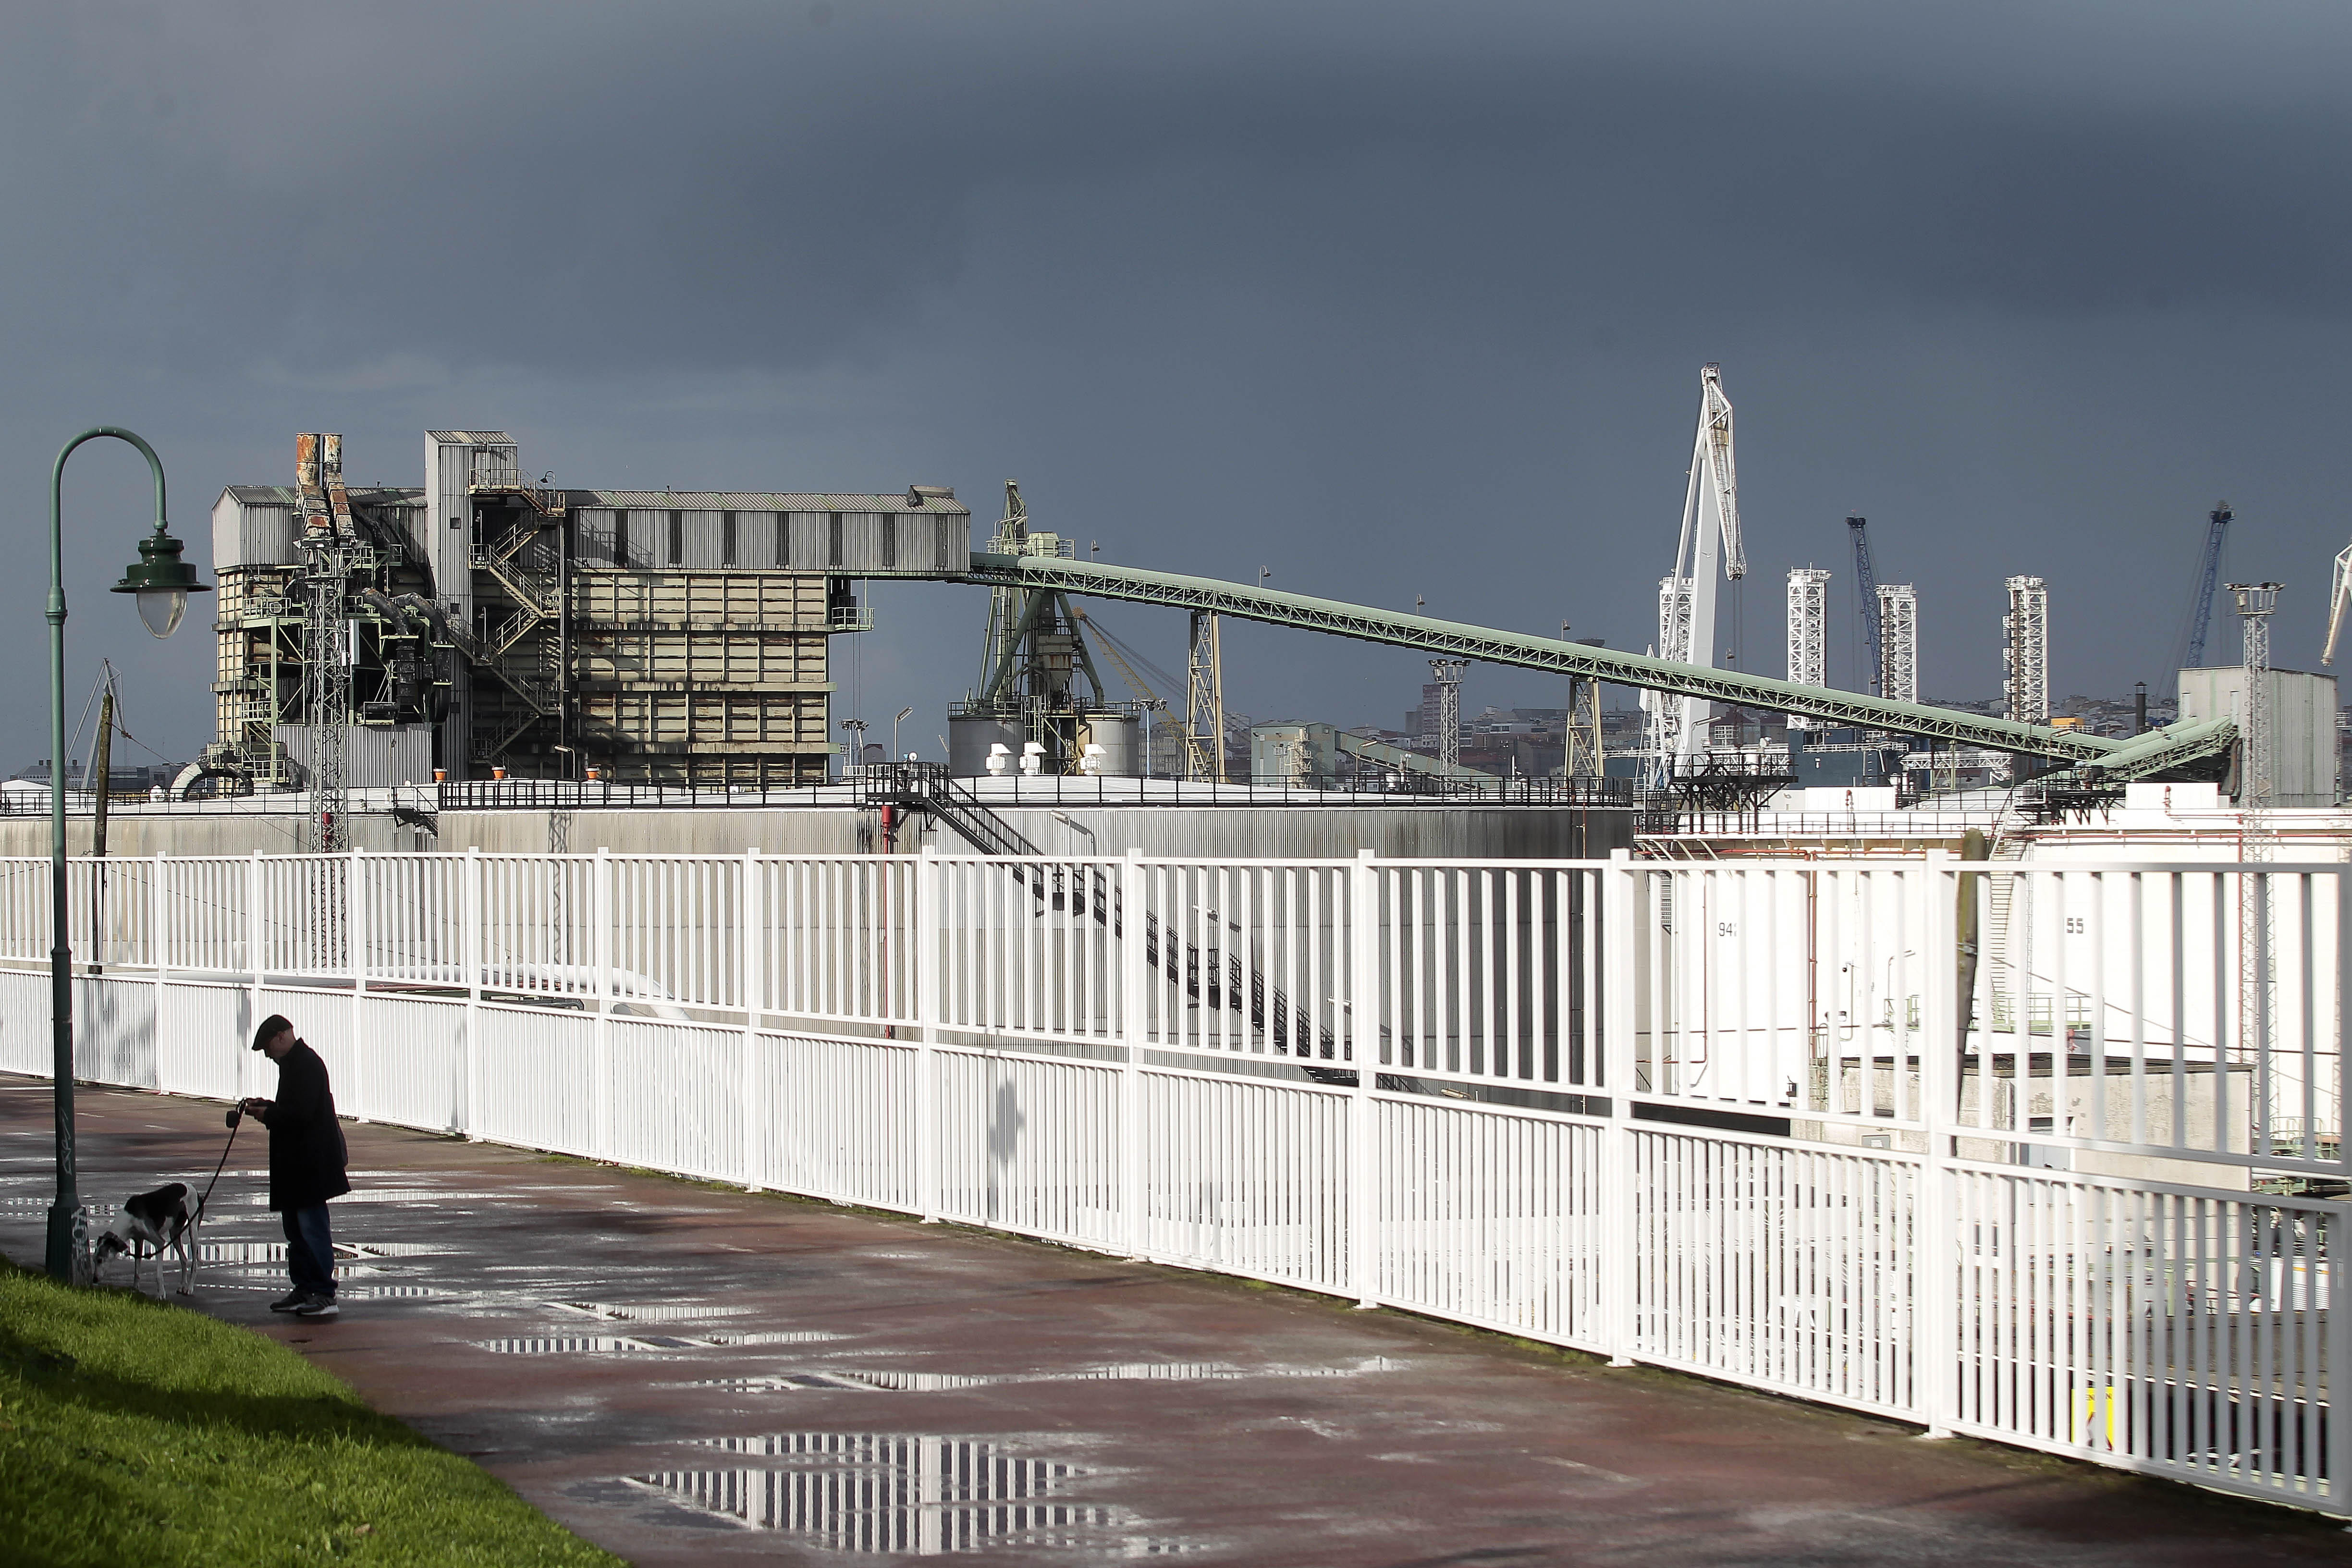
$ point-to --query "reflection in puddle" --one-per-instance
(922, 1495)
(242, 1252)
(897, 1381)
(652, 1314)
(275, 1251)
(394, 1248)
(391, 1293)
(602, 1344)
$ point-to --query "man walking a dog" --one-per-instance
(305, 1165)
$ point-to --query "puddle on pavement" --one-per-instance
(243, 1251)
(263, 1254)
(881, 1494)
(606, 1344)
(656, 1313)
(393, 1195)
(395, 1249)
(394, 1293)
(897, 1381)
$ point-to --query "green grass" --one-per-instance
(131, 1431)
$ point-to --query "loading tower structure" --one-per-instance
(1809, 609)
(482, 622)
(2025, 651)
(1898, 656)
(1034, 660)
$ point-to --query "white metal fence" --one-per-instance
(2025, 1151)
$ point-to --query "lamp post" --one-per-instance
(161, 583)
(904, 714)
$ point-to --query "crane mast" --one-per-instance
(1873, 650)
(2201, 621)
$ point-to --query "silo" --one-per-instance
(1116, 734)
(969, 738)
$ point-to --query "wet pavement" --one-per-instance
(693, 1376)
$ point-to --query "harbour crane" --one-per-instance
(2339, 598)
(1709, 541)
(1874, 636)
(2201, 612)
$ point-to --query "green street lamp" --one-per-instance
(162, 581)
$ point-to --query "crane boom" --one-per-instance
(1874, 634)
(1709, 540)
(2339, 599)
(2217, 523)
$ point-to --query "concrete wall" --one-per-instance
(1232, 832)
(176, 833)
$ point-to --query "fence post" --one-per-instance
(1935, 1344)
(1619, 947)
(924, 976)
(600, 944)
(1364, 1174)
(255, 932)
(752, 975)
(470, 946)
(156, 907)
(2339, 1278)
(1134, 1210)
(355, 935)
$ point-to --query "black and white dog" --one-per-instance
(154, 1225)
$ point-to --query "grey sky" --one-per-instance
(1395, 299)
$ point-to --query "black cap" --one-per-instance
(271, 1028)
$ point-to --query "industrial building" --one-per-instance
(479, 624)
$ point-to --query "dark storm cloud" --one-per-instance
(720, 187)
(1396, 299)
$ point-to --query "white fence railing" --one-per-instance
(2022, 1150)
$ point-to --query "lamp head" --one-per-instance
(162, 581)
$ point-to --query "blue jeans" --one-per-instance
(309, 1249)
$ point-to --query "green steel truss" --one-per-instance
(2096, 756)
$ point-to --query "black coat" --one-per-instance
(306, 1143)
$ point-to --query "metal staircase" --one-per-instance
(1207, 982)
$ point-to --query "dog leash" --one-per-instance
(236, 1120)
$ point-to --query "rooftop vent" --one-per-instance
(918, 494)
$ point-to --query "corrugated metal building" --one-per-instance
(658, 637)
(2304, 751)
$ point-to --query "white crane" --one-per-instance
(2339, 599)
(1710, 538)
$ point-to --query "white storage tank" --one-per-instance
(1116, 734)
(969, 737)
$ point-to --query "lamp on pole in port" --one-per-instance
(161, 583)
(904, 714)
